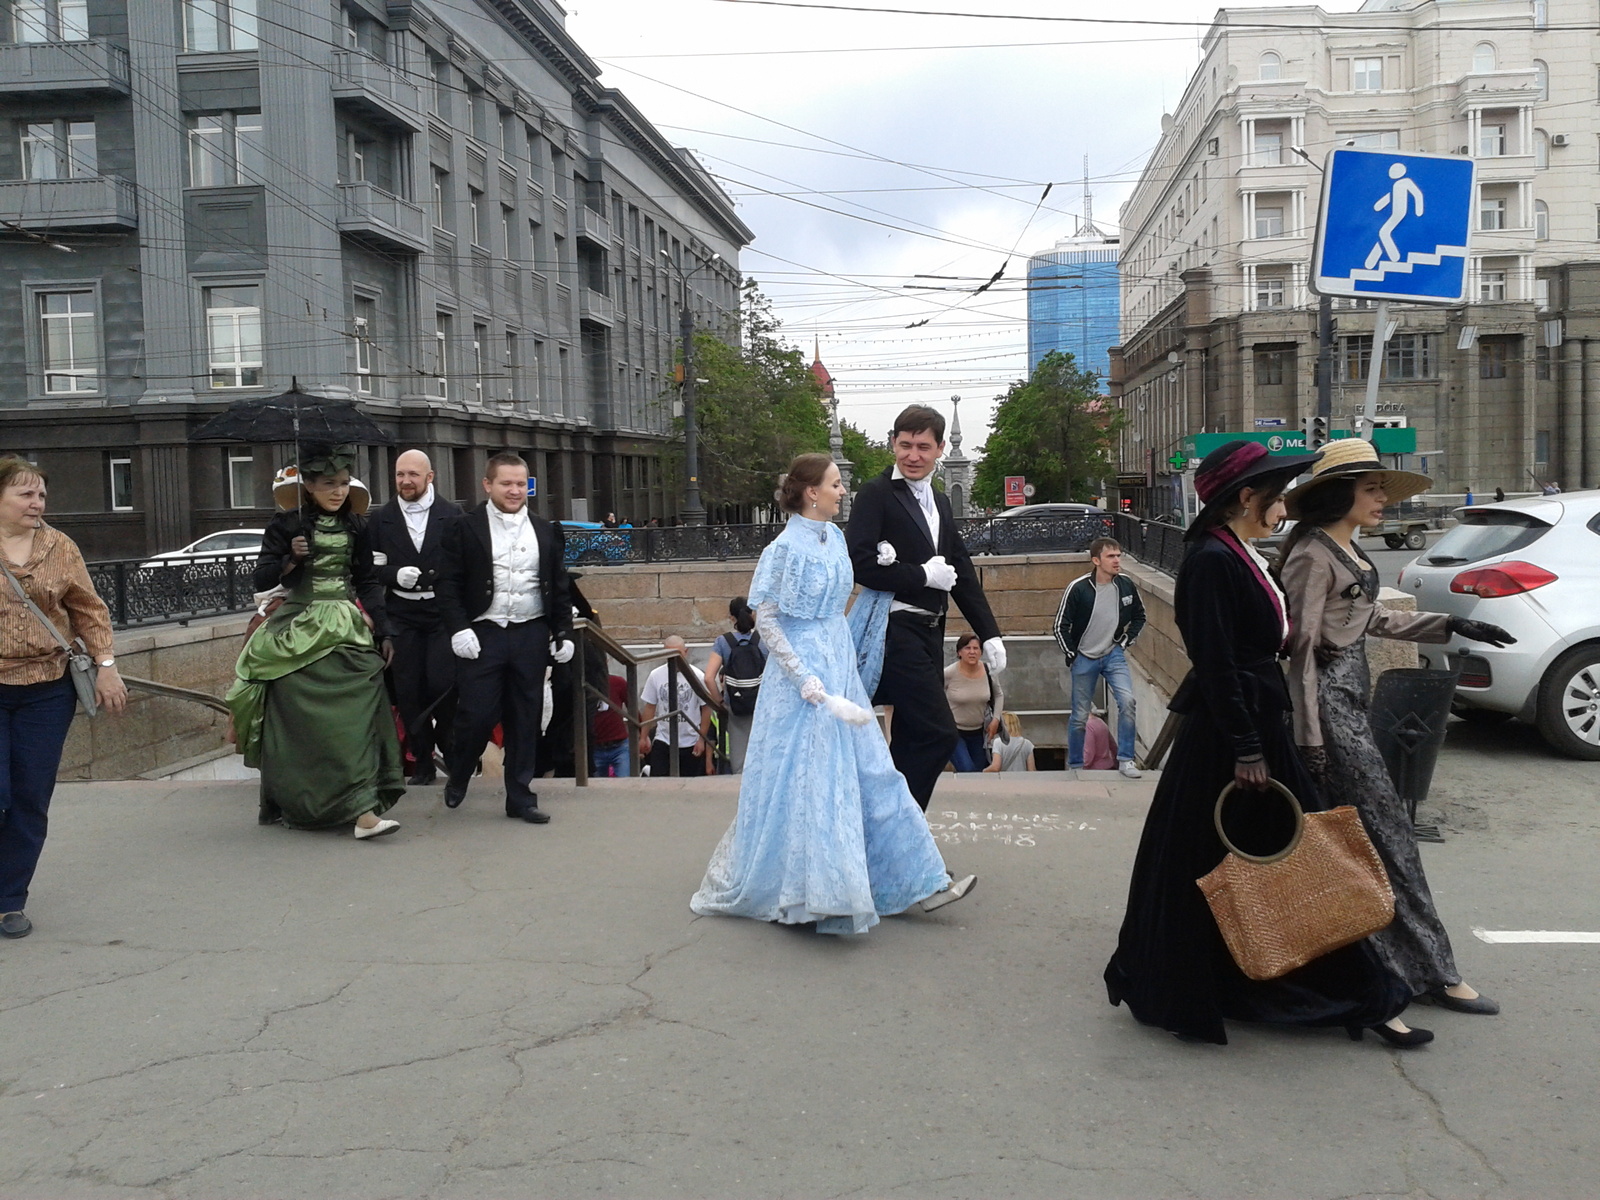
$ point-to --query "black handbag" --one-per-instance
(80, 666)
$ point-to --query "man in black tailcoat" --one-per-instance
(408, 537)
(505, 599)
(902, 539)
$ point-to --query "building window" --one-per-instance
(1541, 150)
(1541, 14)
(1541, 78)
(355, 157)
(1271, 66)
(241, 481)
(1491, 141)
(233, 336)
(219, 25)
(535, 365)
(226, 148)
(1269, 221)
(441, 198)
(1270, 367)
(1268, 150)
(50, 20)
(1541, 447)
(441, 351)
(1366, 74)
(59, 149)
(480, 345)
(1492, 286)
(1492, 358)
(1269, 291)
(1355, 357)
(69, 342)
(475, 215)
(508, 239)
(1373, 139)
(440, 92)
(1408, 356)
(364, 323)
(1491, 213)
(512, 357)
(1541, 221)
(121, 481)
(1483, 59)
(1541, 369)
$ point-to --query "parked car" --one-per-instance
(1533, 567)
(213, 546)
(591, 544)
(1038, 527)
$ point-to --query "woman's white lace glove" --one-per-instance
(847, 711)
(886, 555)
(812, 691)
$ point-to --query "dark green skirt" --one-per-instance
(328, 746)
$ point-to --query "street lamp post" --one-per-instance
(693, 512)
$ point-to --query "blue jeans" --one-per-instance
(34, 719)
(1086, 672)
(610, 761)
(969, 754)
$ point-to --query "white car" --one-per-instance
(210, 548)
(1532, 567)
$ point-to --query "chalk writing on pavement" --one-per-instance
(1023, 830)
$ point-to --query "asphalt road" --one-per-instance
(479, 1008)
(1389, 562)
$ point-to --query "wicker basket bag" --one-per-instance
(1326, 889)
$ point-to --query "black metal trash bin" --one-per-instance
(1410, 712)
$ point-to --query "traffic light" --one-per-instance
(1316, 430)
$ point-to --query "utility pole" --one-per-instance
(693, 513)
(1325, 358)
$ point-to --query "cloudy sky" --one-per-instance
(866, 149)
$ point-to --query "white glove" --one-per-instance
(994, 654)
(939, 573)
(812, 691)
(847, 711)
(886, 555)
(562, 651)
(407, 577)
(465, 644)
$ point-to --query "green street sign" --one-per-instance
(1178, 462)
(1293, 441)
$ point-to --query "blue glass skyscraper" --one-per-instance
(1075, 300)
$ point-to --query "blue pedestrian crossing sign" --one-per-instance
(1394, 226)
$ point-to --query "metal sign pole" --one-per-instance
(1380, 340)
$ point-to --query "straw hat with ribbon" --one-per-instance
(1349, 457)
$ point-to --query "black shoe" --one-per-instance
(423, 779)
(527, 808)
(454, 793)
(1479, 1004)
(15, 925)
(270, 814)
(1404, 1041)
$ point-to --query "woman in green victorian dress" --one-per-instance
(309, 704)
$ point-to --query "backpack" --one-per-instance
(741, 673)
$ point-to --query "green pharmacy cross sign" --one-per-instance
(1178, 462)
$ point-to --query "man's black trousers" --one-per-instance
(423, 670)
(922, 731)
(503, 686)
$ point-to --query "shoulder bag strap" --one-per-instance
(36, 611)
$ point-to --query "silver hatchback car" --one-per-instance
(1533, 567)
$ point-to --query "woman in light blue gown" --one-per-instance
(827, 831)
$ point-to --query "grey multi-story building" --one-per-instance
(437, 211)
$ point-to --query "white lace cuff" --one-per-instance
(779, 647)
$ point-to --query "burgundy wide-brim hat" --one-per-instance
(1235, 465)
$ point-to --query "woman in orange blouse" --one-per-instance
(36, 697)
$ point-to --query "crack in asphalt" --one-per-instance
(1436, 1110)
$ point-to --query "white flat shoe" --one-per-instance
(378, 830)
(951, 894)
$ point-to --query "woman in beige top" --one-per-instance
(37, 699)
(971, 691)
(1332, 589)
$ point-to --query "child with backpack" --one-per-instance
(734, 674)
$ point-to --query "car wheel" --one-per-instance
(1393, 540)
(1569, 703)
(1416, 540)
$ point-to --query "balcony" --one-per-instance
(98, 202)
(79, 68)
(377, 90)
(372, 215)
(593, 226)
(595, 308)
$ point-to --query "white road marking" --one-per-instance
(1511, 936)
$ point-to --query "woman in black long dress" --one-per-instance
(1171, 966)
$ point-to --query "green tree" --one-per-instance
(1056, 429)
(870, 457)
(758, 407)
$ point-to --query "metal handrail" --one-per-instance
(583, 632)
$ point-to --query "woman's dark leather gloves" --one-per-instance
(1481, 631)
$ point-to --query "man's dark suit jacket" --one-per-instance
(392, 538)
(466, 581)
(884, 510)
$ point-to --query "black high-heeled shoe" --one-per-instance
(1409, 1040)
(1479, 1004)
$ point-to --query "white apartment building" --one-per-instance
(1219, 327)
